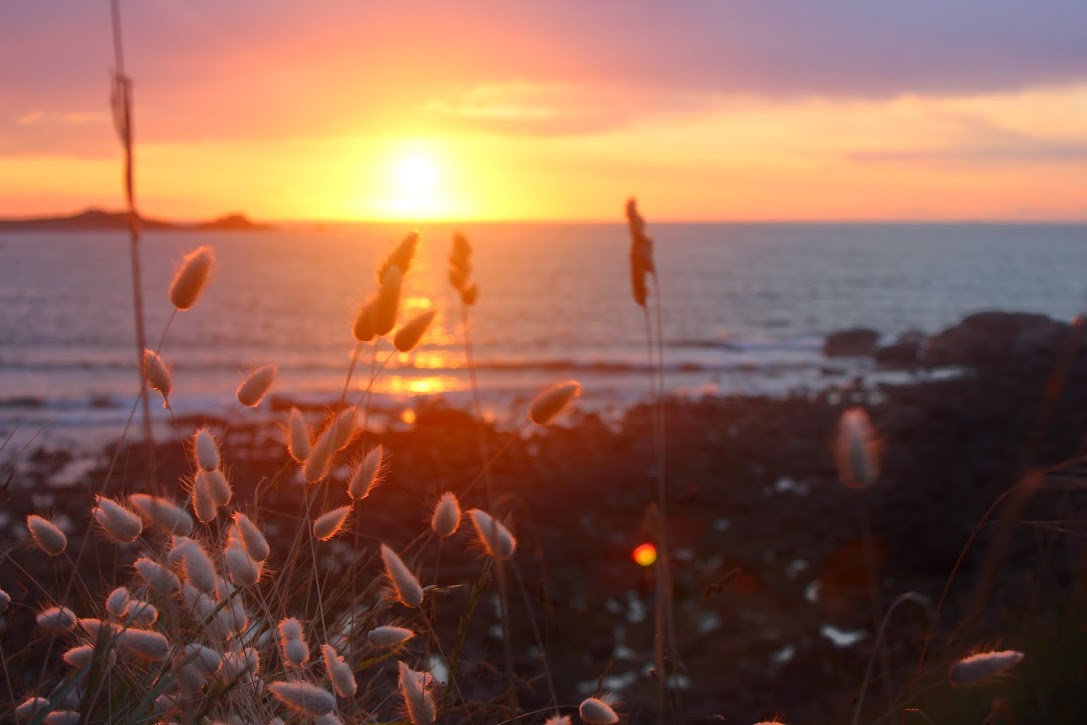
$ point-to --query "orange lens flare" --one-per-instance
(644, 554)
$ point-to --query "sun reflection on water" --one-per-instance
(422, 385)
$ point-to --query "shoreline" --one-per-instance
(766, 541)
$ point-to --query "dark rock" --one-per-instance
(854, 342)
(898, 355)
(904, 352)
(998, 339)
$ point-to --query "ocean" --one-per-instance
(745, 309)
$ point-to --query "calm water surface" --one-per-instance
(745, 308)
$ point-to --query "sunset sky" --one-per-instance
(706, 109)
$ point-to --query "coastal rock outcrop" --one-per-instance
(997, 339)
(854, 342)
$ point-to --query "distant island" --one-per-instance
(97, 220)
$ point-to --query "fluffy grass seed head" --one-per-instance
(595, 711)
(225, 589)
(495, 538)
(243, 570)
(460, 270)
(298, 438)
(157, 374)
(339, 672)
(857, 449)
(46, 535)
(363, 329)
(189, 679)
(417, 701)
(57, 620)
(295, 652)
(405, 585)
(470, 294)
(387, 302)
(460, 259)
(191, 277)
(336, 436)
(367, 475)
(559, 720)
(256, 385)
(641, 253)
(31, 707)
(290, 628)
(319, 463)
(342, 430)
(94, 627)
(982, 667)
(158, 578)
(551, 401)
(388, 636)
(117, 602)
(205, 450)
(204, 500)
(5, 600)
(446, 518)
(175, 557)
(198, 567)
(141, 614)
(220, 623)
(304, 697)
(218, 486)
(329, 524)
(143, 644)
(119, 524)
(238, 666)
(251, 536)
(400, 257)
(204, 659)
(63, 717)
(79, 656)
(409, 335)
(162, 513)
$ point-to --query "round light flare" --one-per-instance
(644, 554)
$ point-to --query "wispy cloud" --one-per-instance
(555, 108)
(74, 118)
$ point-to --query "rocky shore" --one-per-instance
(773, 605)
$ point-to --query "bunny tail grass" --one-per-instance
(191, 277)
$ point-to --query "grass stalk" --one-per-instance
(122, 115)
(664, 638)
(913, 597)
(488, 482)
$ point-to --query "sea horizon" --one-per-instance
(616, 220)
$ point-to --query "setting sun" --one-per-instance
(415, 181)
(416, 176)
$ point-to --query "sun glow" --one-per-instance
(416, 183)
(416, 175)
